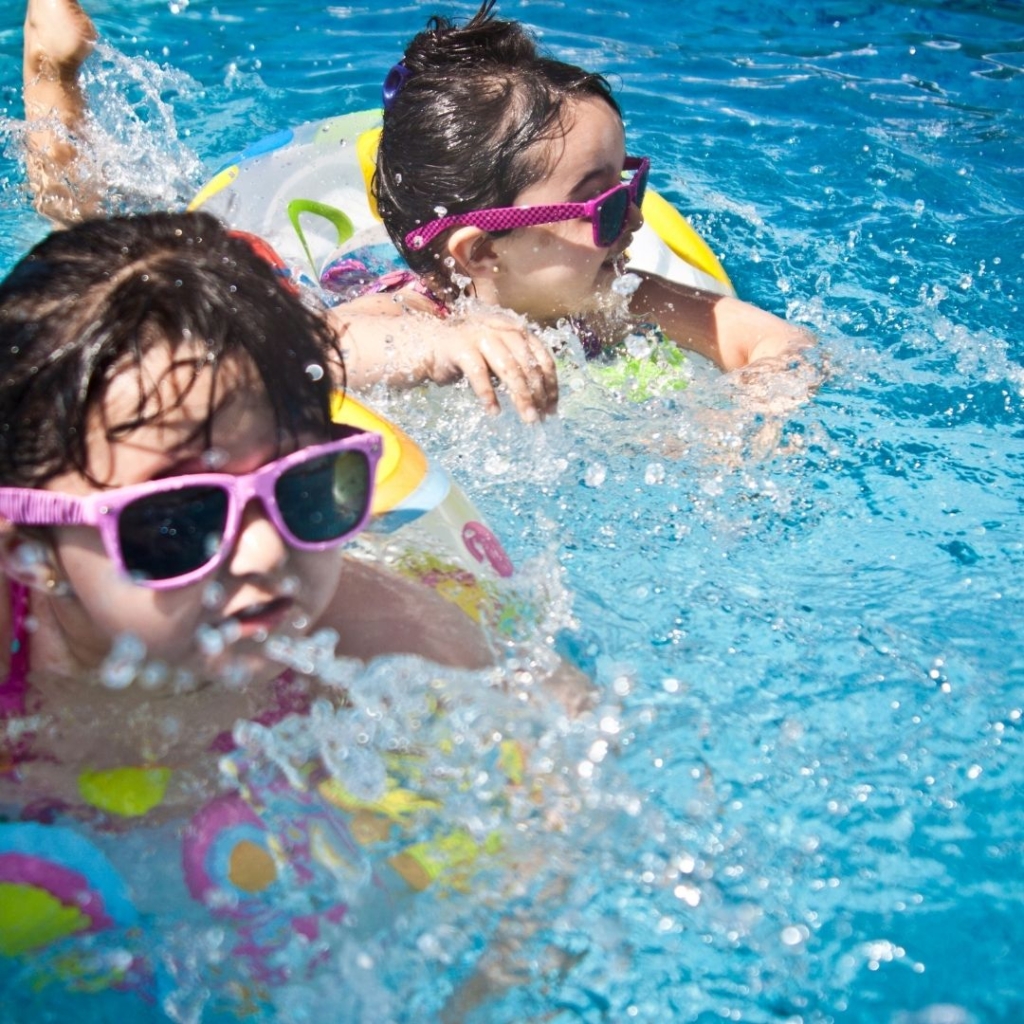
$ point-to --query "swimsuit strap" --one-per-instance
(588, 337)
(398, 279)
(15, 686)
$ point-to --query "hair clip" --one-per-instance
(394, 83)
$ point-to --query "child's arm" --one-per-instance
(58, 38)
(399, 339)
(376, 611)
(729, 332)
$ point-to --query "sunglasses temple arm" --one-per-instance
(499, 220)
(29, 507)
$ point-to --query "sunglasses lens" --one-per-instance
(612, 217)
(325, 498)
(172, 533)
(640, 185)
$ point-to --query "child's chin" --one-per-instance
(609, 272)
(615, 264)
(243, 665)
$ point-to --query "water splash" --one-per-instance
(132, 155)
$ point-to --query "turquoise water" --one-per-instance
(805, 616)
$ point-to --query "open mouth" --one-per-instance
(264, 615)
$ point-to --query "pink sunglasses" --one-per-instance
(170, 533)
(608, 213)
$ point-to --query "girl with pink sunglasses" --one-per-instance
(175, 499)
(170, 472)
(503, 176)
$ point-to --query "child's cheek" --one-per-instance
(316, 578)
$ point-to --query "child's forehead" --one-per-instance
(166, 376)
(173, 395)
(595, 124)
(193, 436)
(593, 140)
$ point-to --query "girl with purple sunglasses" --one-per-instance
(485, 346)
(503, 176)
(502, 179)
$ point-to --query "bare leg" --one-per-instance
(58, 37)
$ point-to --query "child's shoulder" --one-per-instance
(396, 292)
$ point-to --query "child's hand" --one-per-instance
(489, 348)
(399, 339)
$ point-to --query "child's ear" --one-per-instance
(473, 251)
(26, 560)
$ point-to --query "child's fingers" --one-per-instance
(476, 369)
(59, 35)
(514, 363)
(538, 382)
(504, 365)
(498, 350)
(527, 368)
(542, 373)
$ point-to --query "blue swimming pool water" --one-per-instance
(805, 616)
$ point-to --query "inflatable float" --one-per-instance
(426, 528)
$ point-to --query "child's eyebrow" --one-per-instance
(594, 179)
(187, 454)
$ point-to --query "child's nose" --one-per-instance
(259, 547)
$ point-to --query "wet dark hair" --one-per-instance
(460, 133)
(89, 303)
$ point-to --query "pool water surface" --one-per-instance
(802, 796)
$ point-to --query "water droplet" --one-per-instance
(214, 458)
(153, 675)
(689, 894)
(654, 474)
(210, 641)
(626, 285)
(639, 346)
(123, 663)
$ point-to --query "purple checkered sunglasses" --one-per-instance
(608, 213)
(170, 533)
